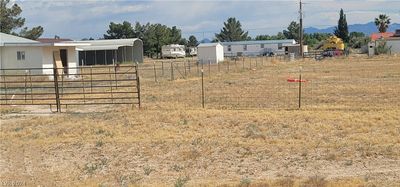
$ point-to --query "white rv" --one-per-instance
(173, 51)
(193, 51)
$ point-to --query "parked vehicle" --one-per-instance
(173, 51)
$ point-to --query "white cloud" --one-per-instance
(85, 18)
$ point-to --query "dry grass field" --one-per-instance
(250, 133)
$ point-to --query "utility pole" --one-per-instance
(301, 30)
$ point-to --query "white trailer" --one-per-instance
(173, 51)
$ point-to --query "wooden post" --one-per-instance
(162, 68)
(228, 65)
(184, 67)
(243, 63)
(155, 72)
(172, 71)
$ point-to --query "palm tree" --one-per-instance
(382, 22)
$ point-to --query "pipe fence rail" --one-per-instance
(88, 85)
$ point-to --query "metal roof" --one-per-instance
(11, 40)
(104, 44)
(208, 44)
(255, 42)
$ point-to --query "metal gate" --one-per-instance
(93, 85)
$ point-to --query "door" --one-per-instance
(64, 60)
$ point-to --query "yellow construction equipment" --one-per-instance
(333, 43)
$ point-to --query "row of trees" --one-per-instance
(154, 36)
(232, 31)
(11, 22)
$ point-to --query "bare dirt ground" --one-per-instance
(333, 142)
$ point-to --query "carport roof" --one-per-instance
(112, 44)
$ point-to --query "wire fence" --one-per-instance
(271, 82)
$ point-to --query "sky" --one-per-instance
(77, 19)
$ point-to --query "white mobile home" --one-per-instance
(173, 51)
(21, 53)
(255, 48)
(210, 53)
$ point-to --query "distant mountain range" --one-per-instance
(367, 28)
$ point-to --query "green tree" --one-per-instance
(342, 30)
(192, 41)
(175, 35)
(263, 37)
(279, 36)
(10, 21)
(382, 23)
(33, 33)
(157, 36)
(118, 31)
(292, 31)
(232, 31)
(358, 40)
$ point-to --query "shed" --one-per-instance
(210, 53)
(104, 52)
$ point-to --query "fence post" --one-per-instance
(256, 63)
(55, 78)
(162, 68)
(197, 65)
(138, 84)
(5, 87)
(262, 61)
(209, 67)
(26, 92)
(202, 88)
(155, 72)
(189, 67)
(243, 63)
(172, 71)
(218, 67)
(184, 66)
(300, 89)
(235, 63)
(250, 63)
(228, 65)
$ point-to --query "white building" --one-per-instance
(210, 53)
(256, 48)
(173, 51)
(21, 53)
(393, 43)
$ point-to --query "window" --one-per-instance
(280, 46)
(262, 46)
(20, 55)
(229, 48)
(245, 47)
